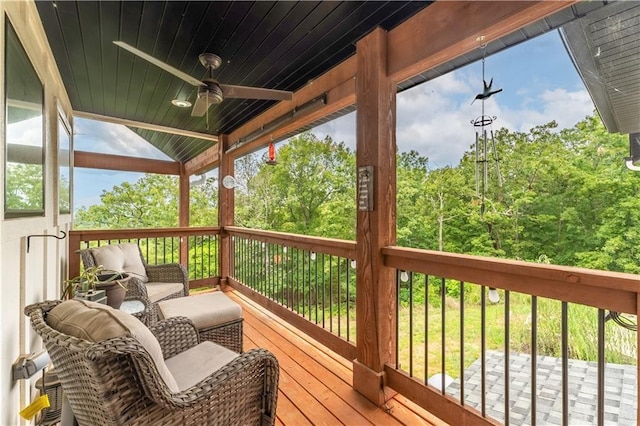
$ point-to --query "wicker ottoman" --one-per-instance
(217, 317)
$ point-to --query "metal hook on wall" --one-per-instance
(64, 235)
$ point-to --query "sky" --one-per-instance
(538, 80)
(539, 83)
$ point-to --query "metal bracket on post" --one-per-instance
(28, 365)
(64, 235)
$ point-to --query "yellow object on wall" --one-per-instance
(32, 409)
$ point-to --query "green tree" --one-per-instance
(203, 203)
(311, 190)
(24, 187)
(150, 202)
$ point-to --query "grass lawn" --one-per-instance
(620, 344)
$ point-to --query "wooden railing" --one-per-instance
(310, 282)
(447, 295)
(195, 248)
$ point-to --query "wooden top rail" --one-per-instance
(76, 237)
(342, 248)
(602, 289)
(115, 234)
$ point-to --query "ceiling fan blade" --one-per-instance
(201, 106)
(245, 92)
(182, 75)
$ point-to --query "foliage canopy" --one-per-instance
(566, 198)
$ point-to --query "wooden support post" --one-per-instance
(376, 228)
(183, 215)
(226, 210)
(74, 258)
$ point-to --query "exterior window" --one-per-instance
(24, 149)
(64, 169)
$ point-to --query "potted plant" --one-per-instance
(96, 282)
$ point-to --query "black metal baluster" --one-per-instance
(507, 345)
(534, 359)
(324, 288)
(397, 319)
(426, 328)
(340, 296)
(331, 293)
(601, 367)
(443, 302)
(565, 364)
(410, 326)
(483, 351)
(315, 277)
(461, 374)
(348, 303)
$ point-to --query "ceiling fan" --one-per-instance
(210, 91)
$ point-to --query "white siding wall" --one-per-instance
(29, 277)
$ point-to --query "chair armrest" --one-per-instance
(136, 288)
(169, 273)
(87, 258)
(175, 335)
(256, 372)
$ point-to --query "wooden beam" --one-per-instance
(421, 43)
(145, 126)
(338, 98)
(203, 162)
(94, 160)
(226, 210)
(448, 29)
(376, 228)
(184, 193)
(74, 241)
(334, 77)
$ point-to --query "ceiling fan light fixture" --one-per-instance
(181, 103)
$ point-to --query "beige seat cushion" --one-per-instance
(121, 258)
(95, 322)
(205, 310)
(198, 362)
(158, 291)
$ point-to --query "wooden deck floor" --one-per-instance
(315, 383)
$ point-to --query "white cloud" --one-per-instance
(108, 138)
(565, 107)
(26, 132)
(435, 118)
(342, 129)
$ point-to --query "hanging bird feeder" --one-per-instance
(272, 155)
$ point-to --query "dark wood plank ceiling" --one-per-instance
(605, 47)
(272, 44)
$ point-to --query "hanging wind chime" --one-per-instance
(485, 141)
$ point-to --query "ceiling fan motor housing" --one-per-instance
(212, 92)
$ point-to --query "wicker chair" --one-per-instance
(159, 276)
(116, 381)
